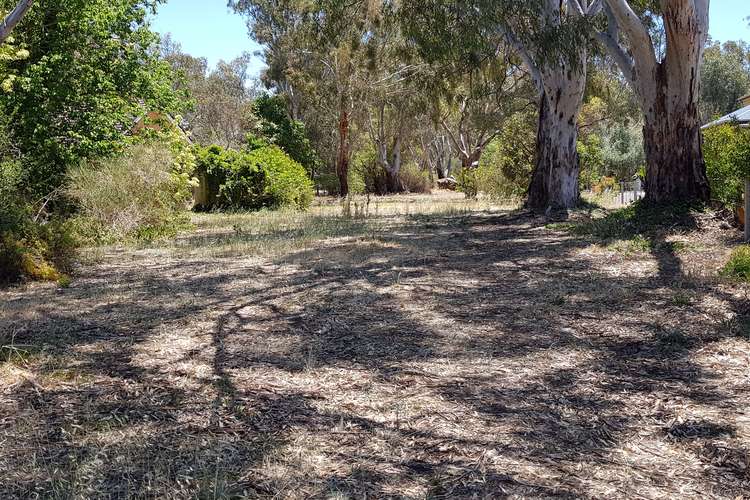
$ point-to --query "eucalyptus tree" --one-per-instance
(665, 73)
(477, 102)
(725, 77)
(314, 53)
(549, 36)
(394, 99)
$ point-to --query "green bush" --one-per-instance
(738, 266)
(365, 175)
(262, 178)
(141, 194)
(467, 181)
(507, 162)
(414, 180)
(31, 243)
(726, 149)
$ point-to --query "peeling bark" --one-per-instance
(554, 182)
(668, 92)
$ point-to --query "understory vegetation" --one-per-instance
(413, 249)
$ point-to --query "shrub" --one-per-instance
(726, 150)
(739, 264)
(291, 136)
(507, 162)
(31, 244)
(604, 184)
(366, 175)
(262, 178)
(137, 195)
(467, 182)
(414, 180)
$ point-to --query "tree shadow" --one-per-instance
(471, 356)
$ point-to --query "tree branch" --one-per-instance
(14, 18)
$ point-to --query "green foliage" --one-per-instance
(290, 135)
(467, 182)
(738, 266)
(506, 163)
(725, 77)
(138, 195)
(32, 243)
(92, 67)
(591, 156)
(261, 178)
(414, 179)
(365, 173)
(726, 149)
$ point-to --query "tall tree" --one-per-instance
(479, 100)
(314, 52)
(548, 36)
(668, 89)
(725, 77)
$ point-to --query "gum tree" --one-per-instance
(666, 77)
(13, 18)
(549, 37)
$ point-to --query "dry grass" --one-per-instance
(460, 352)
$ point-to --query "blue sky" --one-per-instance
(206, 28)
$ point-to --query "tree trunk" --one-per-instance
(393, 183)
(668, 92)
(675, 169)
(471, 160)
(554, 183)
(342, 160)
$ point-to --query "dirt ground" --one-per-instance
(464, 355)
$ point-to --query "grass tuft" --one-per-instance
(738, 266)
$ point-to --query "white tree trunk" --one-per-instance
(555, 179)
(12, 19)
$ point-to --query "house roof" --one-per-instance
(741, 116)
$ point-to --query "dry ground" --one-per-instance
(470, 352)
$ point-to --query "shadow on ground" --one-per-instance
(466, 356)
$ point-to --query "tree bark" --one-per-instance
(471, 160)
(342, 160)
(12, 19)
(668, 92)
(554, 183)
(675, 169)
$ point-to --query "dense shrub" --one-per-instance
(280, 129)
(414, 180)
(506, 165)
(739, 264)
(262, 178)
(727, 153)
(366, 175)
(140, 194)
(32, 244)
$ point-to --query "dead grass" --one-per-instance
(460, 352)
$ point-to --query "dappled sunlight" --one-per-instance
(461, 354)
